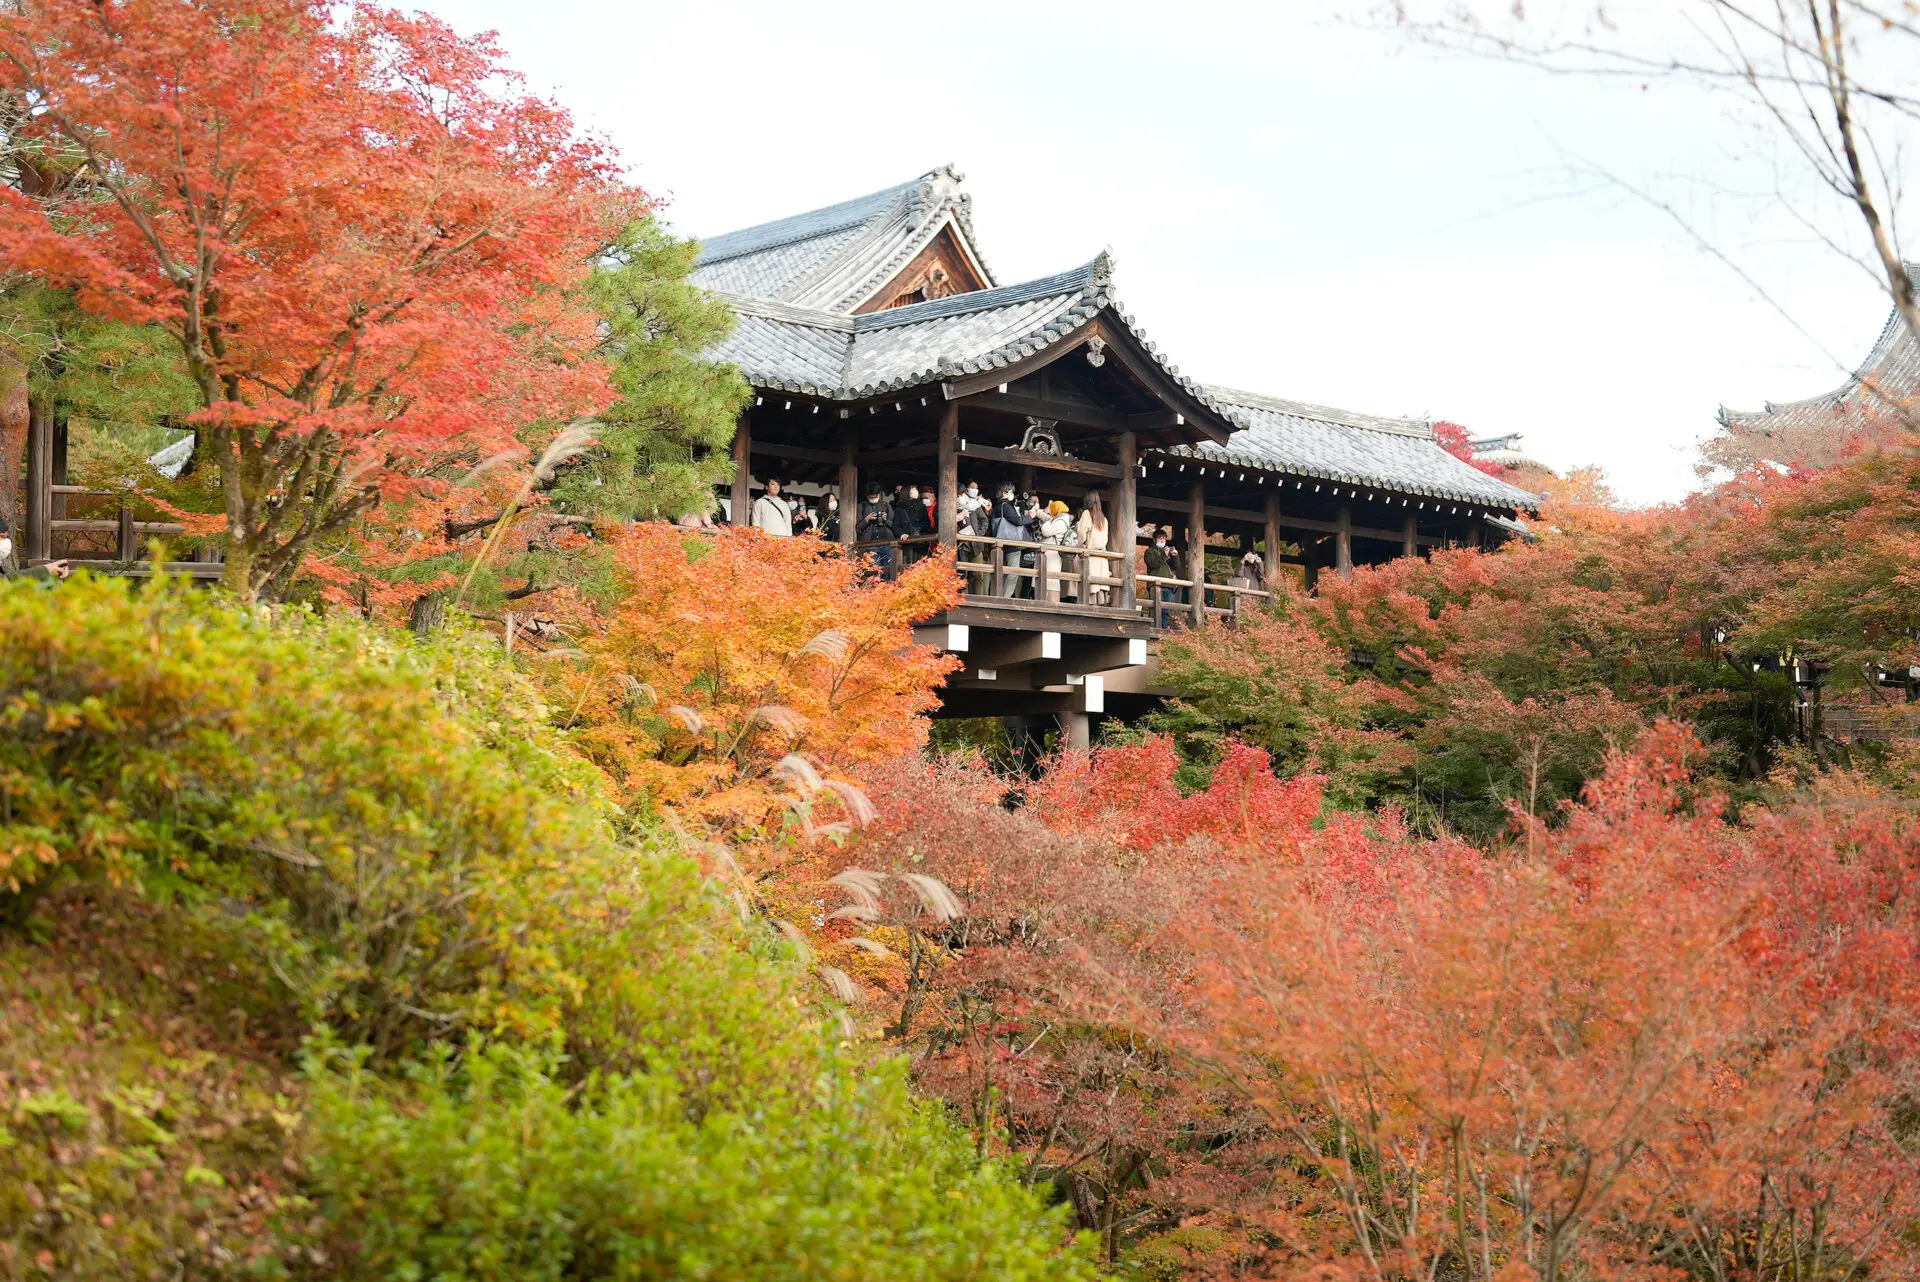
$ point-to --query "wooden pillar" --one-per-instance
(35, 543)
(129, 541)
(743, 470)
(1273, 534)
(849, 482)
(1310, 555)
(1343, 542)
(1197, 549)
(1473, 534)
(1409, 536)
(947, 501)
(1125, 517)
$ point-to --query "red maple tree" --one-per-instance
(365, 241)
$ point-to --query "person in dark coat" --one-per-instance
(830, 519)
(1013, 519)
(875, 526)
(910, 521)
(1164, 562)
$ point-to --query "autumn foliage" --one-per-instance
(366, 244)
(744, 679)
(1250, 1037)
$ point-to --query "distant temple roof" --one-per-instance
(1885, 381)
(805, 287)
(1506, 451)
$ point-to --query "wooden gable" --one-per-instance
(942, 268)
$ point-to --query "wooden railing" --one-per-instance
(1141, 596)
(128, 533)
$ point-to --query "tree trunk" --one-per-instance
(429, 613)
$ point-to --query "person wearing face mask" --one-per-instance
(50, 572)
(973, 514)
(1163, 562)
(874, 525)
(1010, 522)
(914, 521)
(830, 519)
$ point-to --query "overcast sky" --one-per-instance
(1297, 204)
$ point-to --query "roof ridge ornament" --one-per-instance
(1096, 351)
(1100, 272)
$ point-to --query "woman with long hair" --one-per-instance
(1094, 535)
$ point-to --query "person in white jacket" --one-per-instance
(771, 513)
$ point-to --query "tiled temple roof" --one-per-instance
(1885, 381)
(840, 357)
(1359, 449)
(794, 284)
(833, 259)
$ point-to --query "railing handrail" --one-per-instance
(989, 540)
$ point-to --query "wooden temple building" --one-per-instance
(882, 349)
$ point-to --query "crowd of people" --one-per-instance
(1059, 555)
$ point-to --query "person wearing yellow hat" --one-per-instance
(1055, 532)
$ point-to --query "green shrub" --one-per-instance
(490, 1168)
(416, 852)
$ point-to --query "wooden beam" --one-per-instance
(1213, 510)
(1072, 412)
(1197, 549)
(1290, 522)
(1125, 516)
(1200, 421)
(849, 483)
(1045, 462)
(800, 453)
(947, 501)
(1343, 542)
(743, 470)
(900, 454)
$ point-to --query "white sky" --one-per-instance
(1297, 205)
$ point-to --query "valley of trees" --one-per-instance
(493, 879)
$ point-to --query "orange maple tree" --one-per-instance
(743, 678)
(365, 241)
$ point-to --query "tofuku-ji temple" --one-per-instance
(882, 349)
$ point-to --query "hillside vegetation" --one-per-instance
(322, 958)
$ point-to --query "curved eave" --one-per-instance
(1225, 456)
